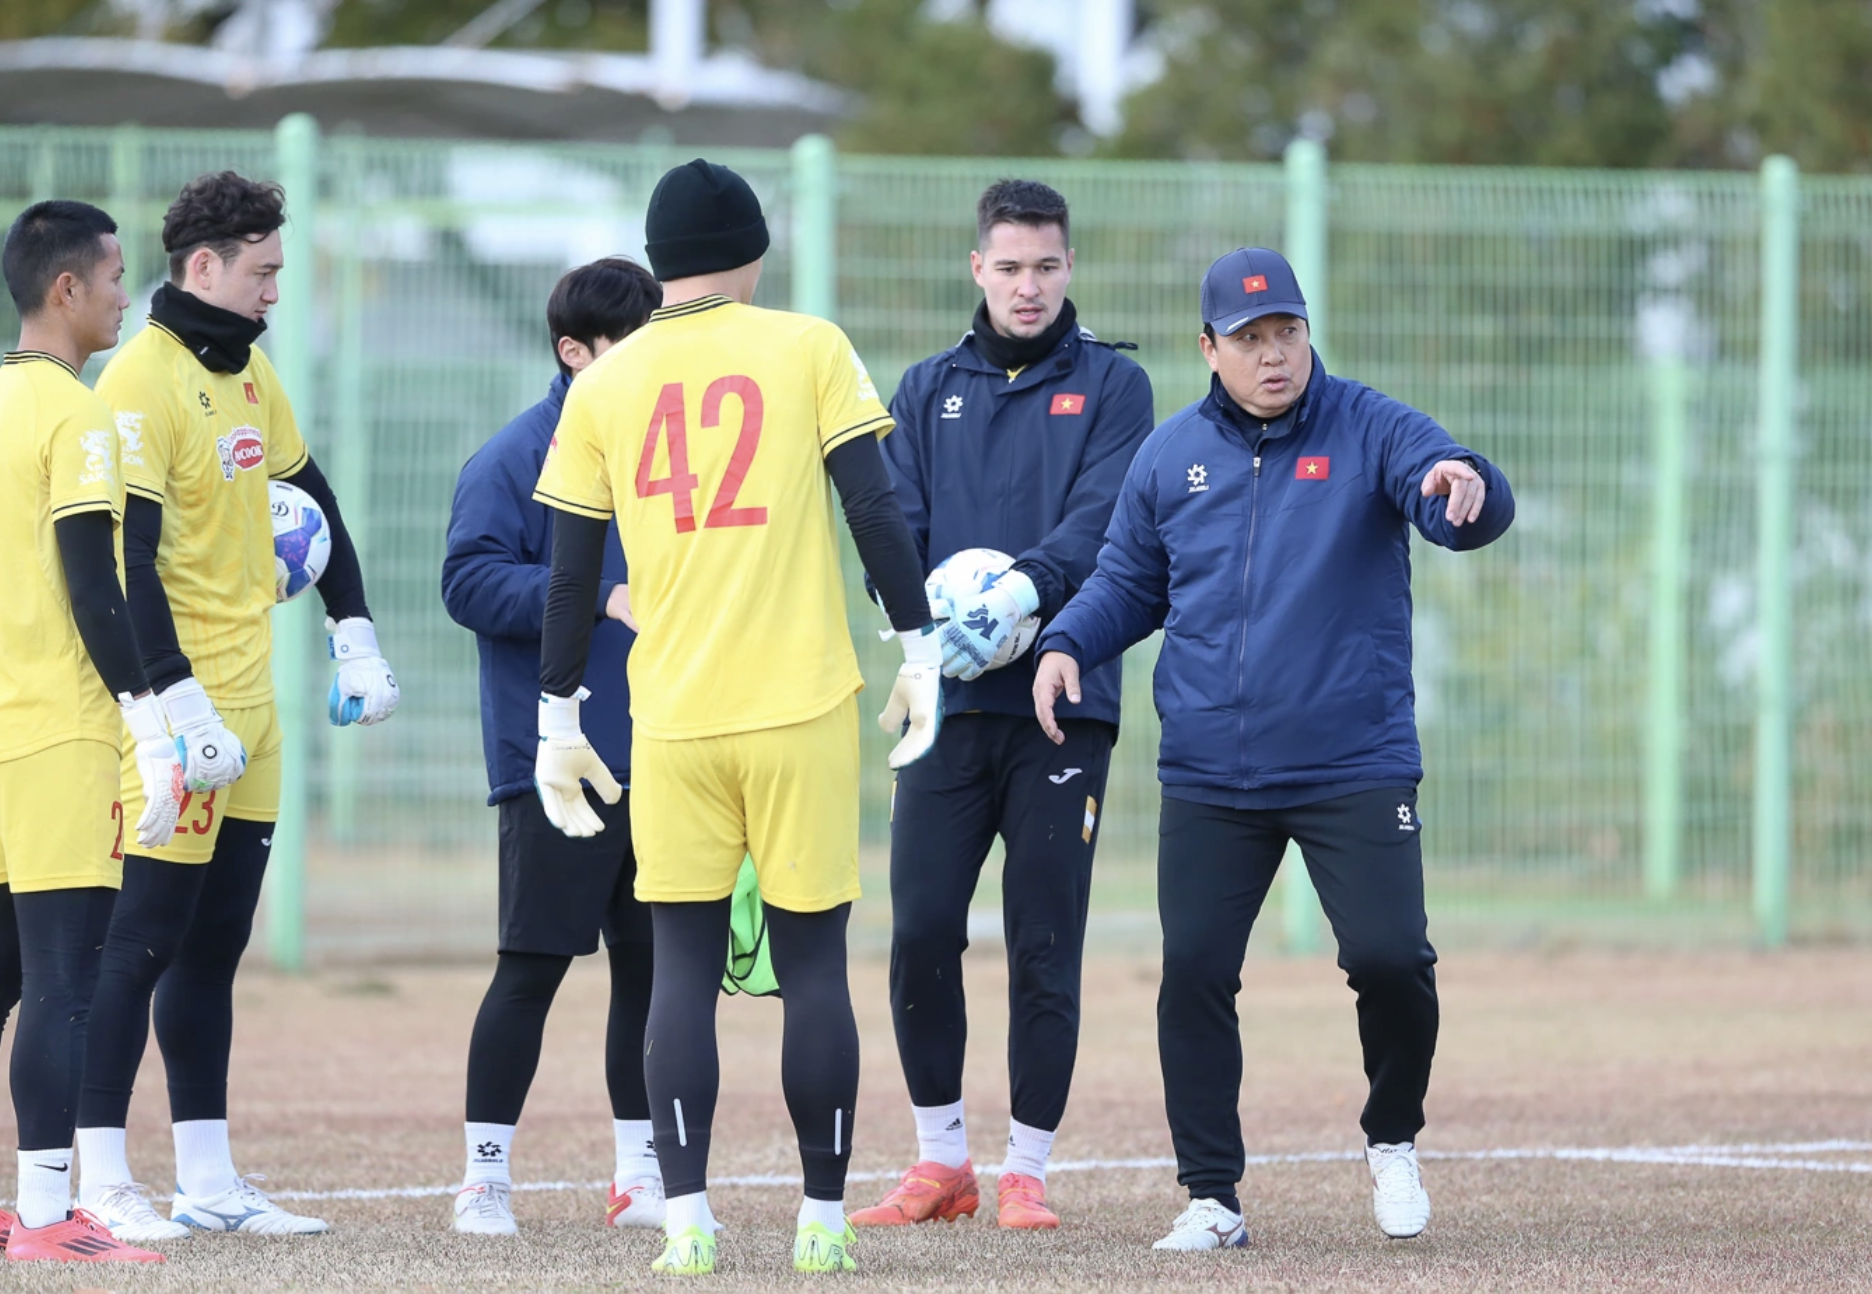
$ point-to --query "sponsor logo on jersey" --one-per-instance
(241, 449)
(130, 436)
(99, 469)
(253, 396)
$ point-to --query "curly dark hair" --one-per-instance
(222, 211)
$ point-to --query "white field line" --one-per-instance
(1774, 1155)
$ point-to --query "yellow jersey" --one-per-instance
(204, 445)
(705, 432)
(58, 457)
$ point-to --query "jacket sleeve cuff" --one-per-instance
(1045, 585)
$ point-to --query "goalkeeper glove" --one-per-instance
(564, 759)
(365, 690)
(916, 696)
(982, 622)
(212, 757)
(159, 765)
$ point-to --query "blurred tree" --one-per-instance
(1542, 82)
(926, 85)
(27, 19)
(552, 24)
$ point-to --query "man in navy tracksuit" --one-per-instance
(1265, 529)
(556, 894)
(1015, 439)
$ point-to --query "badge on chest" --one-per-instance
(241, 450)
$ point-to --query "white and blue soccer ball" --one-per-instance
(964, 574)
(301, 540)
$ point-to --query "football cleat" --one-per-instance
(691, 1253)
(1206, 1224)
(1021, 1204)
(1399, 1201)
(80, 1238)
(126, 1210)
(638, 1203)
(485, 1209)
(816, 1249)
(6, 1228)
(244, 1208)
(929, 1192)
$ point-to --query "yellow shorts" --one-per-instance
(786, 796)
(61, 824)
(254, 798)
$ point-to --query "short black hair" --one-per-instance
(1021, 202)
(47, 240)
(221, 211)
(610, 298)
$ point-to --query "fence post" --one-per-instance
(296, 149)
(815, 227)
(349, 467)
(1306, 252)
(126, 201)
(1774, 598)
(1663, 791)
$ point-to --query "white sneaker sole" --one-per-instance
(143, 1233)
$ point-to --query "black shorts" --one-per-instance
(558, 894)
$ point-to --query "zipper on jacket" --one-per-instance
(1241, 656)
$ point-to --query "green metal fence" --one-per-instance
(1647, 712)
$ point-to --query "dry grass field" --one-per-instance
(1598, 1121)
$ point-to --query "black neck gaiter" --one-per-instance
(1015, 353)
(220, 339)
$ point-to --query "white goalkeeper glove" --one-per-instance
(565, 758)
(916, 696)
(365, 690)
(159, 765)
(212, 757)
(980, 623)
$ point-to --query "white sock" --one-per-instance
(44, 1186)
(942, 1134)
(636, 1150)
(204, 1166)
(1027, 1150)
(685, 1211)
(101, 1162)
(489, 1147)
(829, 1214)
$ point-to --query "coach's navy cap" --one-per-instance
(1246, 284)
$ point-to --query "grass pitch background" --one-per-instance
(352, 1081)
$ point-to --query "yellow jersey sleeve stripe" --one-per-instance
(872, 426)
(567, 505)
(87, 505)
(305, 456)
(149, 492)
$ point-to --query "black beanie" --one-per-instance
(703, 219)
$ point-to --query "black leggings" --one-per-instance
(9, 958)
(179, 931)
(818, 1054)
(59, 935)
(504, 1052)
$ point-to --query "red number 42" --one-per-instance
(670, 421)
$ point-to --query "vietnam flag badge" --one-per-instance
(1063, 403)
(1313, 469)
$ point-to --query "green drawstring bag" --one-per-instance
(750, 965)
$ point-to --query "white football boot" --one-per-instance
(1206, 1224)
(485, 1209)
(1399, 1201)
(245, 1208)
(637, 1203)
(126, 1210)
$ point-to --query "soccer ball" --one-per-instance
(966, 573)
(301, 540)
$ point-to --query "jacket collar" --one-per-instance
(1220, 407)
(1059, 360)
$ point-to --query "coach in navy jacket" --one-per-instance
(494, 582)
(1016, 438)
(1266, 530)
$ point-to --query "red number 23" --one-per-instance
(670, 419)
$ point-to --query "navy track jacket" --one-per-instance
(494, 582)
(1276, 559)
(1029, 465)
